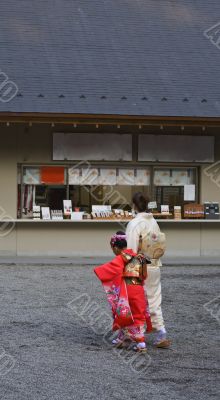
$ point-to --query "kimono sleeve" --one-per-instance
(109, 271)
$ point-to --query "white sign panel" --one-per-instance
(173, 148)
(142, 177)
(74, 176)
(32, 176)
(125, 177)
(92, 146)
(107, 176)
(189, 193)
(90, 176)
(45, 211)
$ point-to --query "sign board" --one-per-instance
(173, 148)
(92, 146)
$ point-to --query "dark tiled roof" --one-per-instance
(135, 57)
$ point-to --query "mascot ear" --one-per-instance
(158, 253)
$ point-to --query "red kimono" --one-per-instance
(128, 302)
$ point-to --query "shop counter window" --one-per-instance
(49, 186)
(84, 186)
(43, 186)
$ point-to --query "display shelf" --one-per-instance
(93, 221)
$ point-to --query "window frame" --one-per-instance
(125, 165)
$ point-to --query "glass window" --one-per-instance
(43, 186)
(48, 186)
(169, 185)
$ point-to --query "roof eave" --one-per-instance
(107, 119)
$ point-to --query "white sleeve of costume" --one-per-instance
(156, 227)
(133, 234)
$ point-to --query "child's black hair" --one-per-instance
(120, 243)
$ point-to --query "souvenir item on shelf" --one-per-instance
(105, 212)
(193, 211)
(152, 206)
(57, 215)
(67, 207)
(100, 208)
(211, 210)
(165, 212)
(165, 209)
(77, 216)
(87, 216)
(177, 212)
(28, 198)
(121, 214)
(101, 212)
(117, 213)
(36, 212)
(45, 212)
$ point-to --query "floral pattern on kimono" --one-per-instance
(118, 300)
(112, 293)
(128, 303)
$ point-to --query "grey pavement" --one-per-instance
(49, 260)
(55, 346)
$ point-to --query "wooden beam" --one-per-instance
(93, 119)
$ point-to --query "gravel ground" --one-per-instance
(50, 347)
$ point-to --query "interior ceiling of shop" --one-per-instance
(132, 57)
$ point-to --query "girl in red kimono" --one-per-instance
(123, 279)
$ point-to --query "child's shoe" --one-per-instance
(117, 342)
(120, 340)
(140, 347)
(161, 340)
